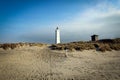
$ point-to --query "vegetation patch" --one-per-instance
(6, 46)
(101, 45)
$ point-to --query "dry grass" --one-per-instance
(101, 45)
(79, 46)
(18, 45)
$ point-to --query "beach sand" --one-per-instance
(41, 63)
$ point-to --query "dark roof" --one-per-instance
(94, 35)
(57, 28)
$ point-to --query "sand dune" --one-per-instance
(41, 63)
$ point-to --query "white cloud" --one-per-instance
(99, 19)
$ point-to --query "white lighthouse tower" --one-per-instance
(57, 35)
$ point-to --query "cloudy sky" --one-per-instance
(36, 20)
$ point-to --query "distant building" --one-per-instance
(94, 37)
(57, 35)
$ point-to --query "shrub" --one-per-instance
(13, 46)
(115, 46)
(77, 48)
(104, 47)
(5, 46)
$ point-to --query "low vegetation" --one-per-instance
(101, 45)
(6, 46)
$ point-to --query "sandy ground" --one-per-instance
(35, 63)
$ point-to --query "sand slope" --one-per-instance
(41, 63)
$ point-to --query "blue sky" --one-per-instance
(36, 20)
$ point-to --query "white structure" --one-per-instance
(57, 35)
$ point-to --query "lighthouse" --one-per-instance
(57, 35)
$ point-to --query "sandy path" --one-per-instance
(35, 63)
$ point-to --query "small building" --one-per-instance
(94, 37)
